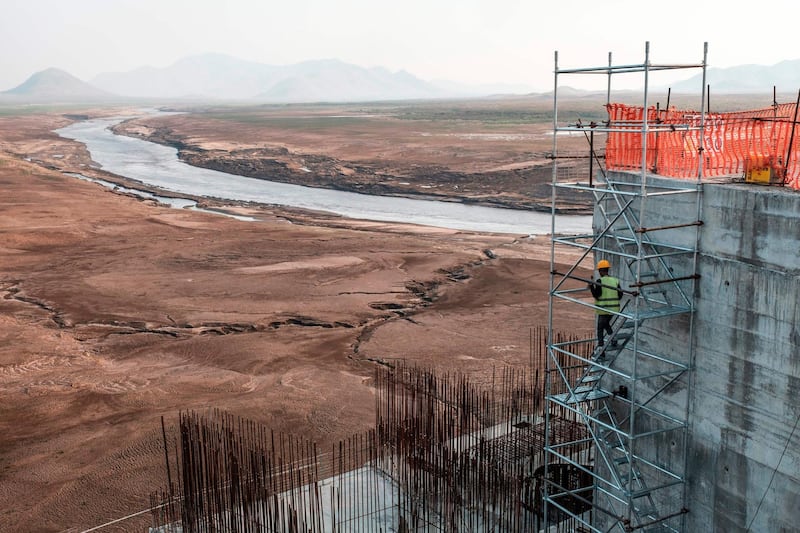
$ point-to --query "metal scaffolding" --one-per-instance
(632, 394)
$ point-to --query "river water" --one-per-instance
(159, 166)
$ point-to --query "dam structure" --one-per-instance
(690, 408)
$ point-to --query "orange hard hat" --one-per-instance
(603, 264)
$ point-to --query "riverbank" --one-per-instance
(116, 311)
(518, 177)
(159, 166)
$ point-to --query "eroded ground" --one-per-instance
(115, 312)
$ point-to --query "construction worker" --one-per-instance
(607, 294)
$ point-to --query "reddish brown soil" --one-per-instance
(116, 312)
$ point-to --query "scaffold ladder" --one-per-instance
(627, 394)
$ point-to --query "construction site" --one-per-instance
(683, 420)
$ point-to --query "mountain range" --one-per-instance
(225, 77)
(222, 77)
(785, 76)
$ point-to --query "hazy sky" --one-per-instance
(472, 41)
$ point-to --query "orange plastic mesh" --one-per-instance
(730, 141)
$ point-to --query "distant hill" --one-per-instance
(55, 85)
(335, 81)
(785, 76)
(224, 77)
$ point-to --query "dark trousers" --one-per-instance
(603, 327)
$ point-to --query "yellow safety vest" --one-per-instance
(609, 297)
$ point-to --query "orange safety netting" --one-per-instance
(732, 142)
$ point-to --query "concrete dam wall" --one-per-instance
(743, 450)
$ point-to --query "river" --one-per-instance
(159, 166)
